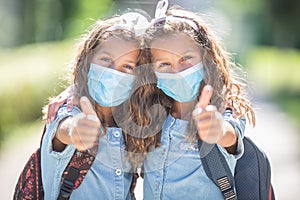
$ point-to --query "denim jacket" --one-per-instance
(108, 177)
(174, 170)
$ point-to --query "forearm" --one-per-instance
(62, 137)
(229, 138)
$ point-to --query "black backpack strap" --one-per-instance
(68, 183)
(76, 171)
(217, 169)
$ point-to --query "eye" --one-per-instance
(164, 64)
(185, 58)
(107, 60)
(130, 67)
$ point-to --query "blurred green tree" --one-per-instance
(264, 22)
(284, 23)
(31, 21)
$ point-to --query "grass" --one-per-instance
(29, 76)
(278, 70)
(20, 133)
(32, 63)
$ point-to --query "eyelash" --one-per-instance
(185, 58)
(164, 64)
(128, 67)
(108, 60)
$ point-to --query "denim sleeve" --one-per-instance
(51, 129)
(239, 125)
(53, 163)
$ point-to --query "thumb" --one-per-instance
(86, 106)
(205, 96)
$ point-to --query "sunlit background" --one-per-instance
(37, 39)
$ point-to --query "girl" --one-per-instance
(196, 76)
(171, 153)
(103, 78)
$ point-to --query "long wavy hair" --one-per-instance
(148, 110)
(226, 78)
(91, 41)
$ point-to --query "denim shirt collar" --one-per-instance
(177, 124)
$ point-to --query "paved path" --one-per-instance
(12, 162)
(274, 133)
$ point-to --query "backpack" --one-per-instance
(29, 184)
(252, 177)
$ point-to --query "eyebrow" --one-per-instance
(158, 59)
(116, 57)
(105, 52)
(130, 61)
(189, 50)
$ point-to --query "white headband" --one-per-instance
(135, 23)
(160, 15)
(161, 9)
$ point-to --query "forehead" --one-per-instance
(117, 46)
(176, 43)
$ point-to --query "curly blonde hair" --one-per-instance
(148, 110)
(226, 78)
(86, 48)
(230, 87)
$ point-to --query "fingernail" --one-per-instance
(209, 87)
(52, 118)
(197, 111)
(84, 99)
(211, 108)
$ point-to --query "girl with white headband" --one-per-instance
(103, 77)
(196, 84)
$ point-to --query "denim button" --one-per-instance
(157, 185)
(163, 152)
(117, 134)
(118, 172)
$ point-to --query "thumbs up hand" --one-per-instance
(85, 127)
(209, 121)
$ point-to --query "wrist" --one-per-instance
(62, 138)
(228, 138)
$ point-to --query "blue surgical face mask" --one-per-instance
(182, 86)
(109, 87)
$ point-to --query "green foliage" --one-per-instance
(262, 22)
(35, 21)
(86, 14)
(290, 102)
(29, 76)
(20, 133)
(278, 71)
(284, 20)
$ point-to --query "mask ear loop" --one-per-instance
(161, 9)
